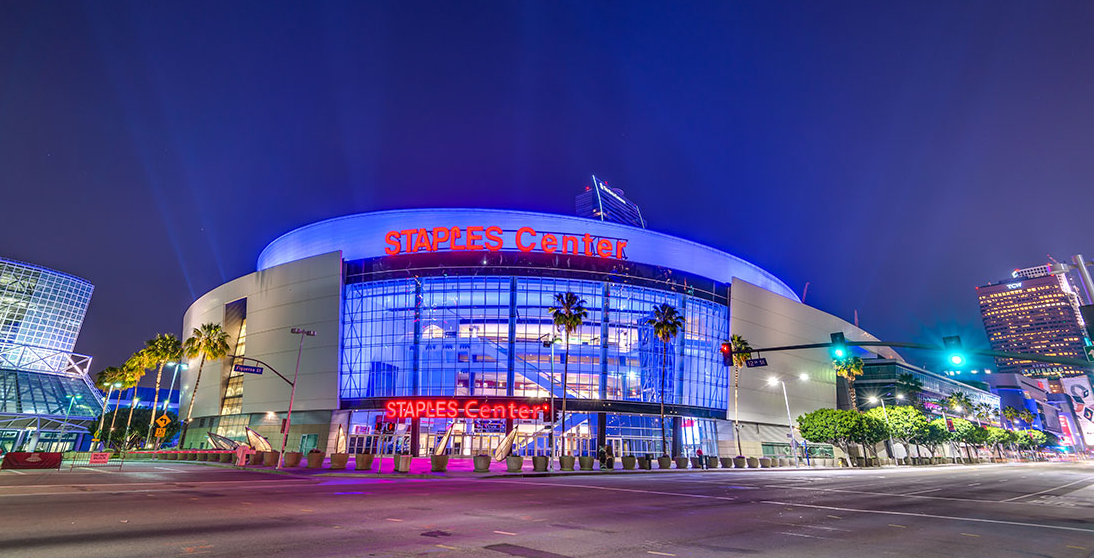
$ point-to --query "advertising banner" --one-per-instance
(31, 460)
(1082, 398)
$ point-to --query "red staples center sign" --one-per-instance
(492, 239)
(462, 408)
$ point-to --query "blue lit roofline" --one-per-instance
(45, 269)
(305, 241)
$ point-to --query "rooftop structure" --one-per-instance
(604, 203)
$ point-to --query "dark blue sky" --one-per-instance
(892, 155)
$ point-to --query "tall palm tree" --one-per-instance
(910, 386)
(1026, 417)
(128, 377)
(960, 402)
(568, 314)
(849, 368)
(667, 324)
(742, 351)
(135, 368)
(158, 351)
(208, 341)
(108, 380)
(1010, 413)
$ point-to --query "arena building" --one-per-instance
(435, 321)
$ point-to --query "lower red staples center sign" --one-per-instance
(463, 408)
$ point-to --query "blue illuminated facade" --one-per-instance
(454, 303)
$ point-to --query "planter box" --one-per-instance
(172, 457)
(315, 459)
(437, 463)
(681, 462)
(257, 459)
(292, 458)
(785, 462)
(586, 462)
(712, 462)
(765, 462)
(226, 457)
(402, 463)
(644, 463)
(664, 462)
(566, 462)
(270, 458)
(753, 462)
(339, 460)
(514, 463)
(482, 463)
(363, 461)
(740, 462)
(696, 462)
(727, 462)
(629, 462)
(539, 463)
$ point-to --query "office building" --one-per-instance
(604, 203)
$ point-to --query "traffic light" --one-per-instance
(955, 355)
(727, 354)
(838, 349)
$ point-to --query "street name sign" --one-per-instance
(755, 362)
(247, 369)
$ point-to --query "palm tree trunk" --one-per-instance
(664, 442)
(190, 408)
(132, 405)
(736, 416)
(851, 393)
(155, 403)
(565, 375)
(113, 415)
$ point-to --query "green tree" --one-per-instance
(998, 438)
(209, 341)
(1011, 414)
(107, 381)
(134, 369)
(568, 314)
(667, 323)
(936, 435)
(742, 351)
(1026, 417)
(139, 427)
(838, 427)
(969, 434)
(158, 351)
(849, 368)
(906, 423)
(872, 431)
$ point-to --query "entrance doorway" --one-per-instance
(308, 442)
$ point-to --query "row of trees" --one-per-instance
(209, 341)
(909, 425)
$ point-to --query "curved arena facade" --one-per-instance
(436, 321)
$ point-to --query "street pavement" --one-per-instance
(180, 509)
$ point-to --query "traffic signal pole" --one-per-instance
(1018, 356)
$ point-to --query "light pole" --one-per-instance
(789, 419)
(102, 417)
(71, 399)
(292, 395)
(133, 405)
(551, 437)
(171, 386)
(888, 426)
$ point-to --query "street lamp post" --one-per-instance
(292, 395)
(102, 417)
(71, 399)
(133, 405)
(789, 419)
(888, 426)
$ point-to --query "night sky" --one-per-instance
(893, 156)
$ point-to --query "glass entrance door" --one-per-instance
(308, 442)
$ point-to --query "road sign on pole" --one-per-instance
(247, 369)
(755, 362)
(161, 432)
(1089, 349)
(163, 421)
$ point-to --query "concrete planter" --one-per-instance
(315, 459)
(664, 462)
(514, 463)
(437, 463)
(740, 462)
(205, 456)
(539, 463)
(712, 462)
(292, 458)
(226, 457)
(644, 463)
(172, 457)
(258, 458)
(269, 458)
(339, 460)
(681, 462)
(629, 461)
(753, 462)
(566, 462)
(727, 462)
(765, 462)
(363, 461)
(482, 463)
(784, 462)
(696, 462)
(402, 463)
(586, 462)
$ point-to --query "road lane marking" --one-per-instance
(1049, 490)
(659, 553)
(446, 546)
(506, 533)
(835, 517)
(393, 519)
(920, 492)
(895, 525)
(1078, 547)
(970, 535)
(932, 516)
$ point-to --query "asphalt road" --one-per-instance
(182, 509)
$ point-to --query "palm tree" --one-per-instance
(568, 314)
(1026, 417)
(849, 368)
(742, 351)
(135, 368)
(910, 386)
(107, 380)
(959, 402)
(128, 378)
(208, 341)
(1010, 413)
(159, 351)
(667, 324)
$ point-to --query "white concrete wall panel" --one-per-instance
(304, 293)
(768, 320)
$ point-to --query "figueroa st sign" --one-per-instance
(492, 239)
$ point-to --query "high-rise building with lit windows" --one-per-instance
(1036, 311)
(604, 203)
